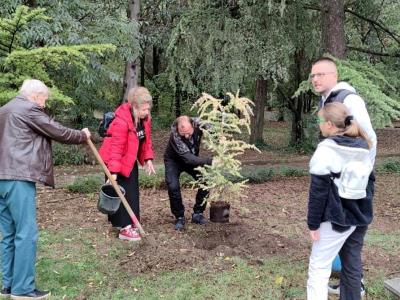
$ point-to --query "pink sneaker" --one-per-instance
(129, 233)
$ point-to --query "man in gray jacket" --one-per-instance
(26, 132)
(182, 155)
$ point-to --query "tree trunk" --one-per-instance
(332, 28)
(297, 121)
(257, 121)
(299, 104)
(178, 97)
(130, 77)
(142, 70)
(156, 60)
(156, 70)
(297, 109)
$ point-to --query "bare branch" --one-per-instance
(376, 23)
(369, 51)
(313, 7)
(378, 36)
(381, 26)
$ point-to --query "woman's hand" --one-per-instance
(149, 168)
(114, 176)
(314, 234)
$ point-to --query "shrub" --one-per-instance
(390, 165)
(162, 122)
(257, 175)
(310, 138)
(151, 181)
(158, 180)
(67, 154)
(86, 185)
(292, 172)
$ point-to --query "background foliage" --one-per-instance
(80, 48)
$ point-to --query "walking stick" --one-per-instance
(116, 187)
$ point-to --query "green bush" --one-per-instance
(67, 154)
(92, 183)
(310, 138)
(158, 180)
(257, 175)
(164, 101)
(151, 181)
(292, 172)
(162, 122)
(390, 165)
(86, 185)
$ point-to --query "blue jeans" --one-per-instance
(20, 234)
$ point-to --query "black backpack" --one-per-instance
(108, 117)
(336, 96)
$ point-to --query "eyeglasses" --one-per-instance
(319, 75)
(321, 120)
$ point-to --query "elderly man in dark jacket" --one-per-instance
(182, 155)
(26, 132)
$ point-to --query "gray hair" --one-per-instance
(31, 87)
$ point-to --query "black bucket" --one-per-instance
(109, 200)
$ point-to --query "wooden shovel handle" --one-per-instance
(116, 187)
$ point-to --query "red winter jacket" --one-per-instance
(120, 149)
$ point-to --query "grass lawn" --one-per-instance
(70, 264)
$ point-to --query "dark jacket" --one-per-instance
(324, 203)
(25, 138)
(120, 149)
(183, 151)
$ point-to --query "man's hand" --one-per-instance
(87, 132)
(314, 234)
(149, 167)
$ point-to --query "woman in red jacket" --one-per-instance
(128, 141)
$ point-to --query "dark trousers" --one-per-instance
(131, 185)
(173, 170)
(351, 273)
(350, 255)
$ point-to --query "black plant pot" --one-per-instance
(219, 211)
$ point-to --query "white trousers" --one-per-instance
(322, 255)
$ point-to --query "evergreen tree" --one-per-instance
(19, 62)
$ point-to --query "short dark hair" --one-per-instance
(324, 58)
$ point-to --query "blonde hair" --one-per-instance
(339, 116)
(138, 96)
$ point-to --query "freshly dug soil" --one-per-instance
(270, 221)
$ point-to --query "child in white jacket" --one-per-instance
(340, 202)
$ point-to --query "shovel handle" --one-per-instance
(116, 187)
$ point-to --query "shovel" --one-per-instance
(116, 187)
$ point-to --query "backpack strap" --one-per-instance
(108, 117)
(336, 96)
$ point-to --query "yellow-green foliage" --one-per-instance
(383, 102)
(18, 63)
(220, 123)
